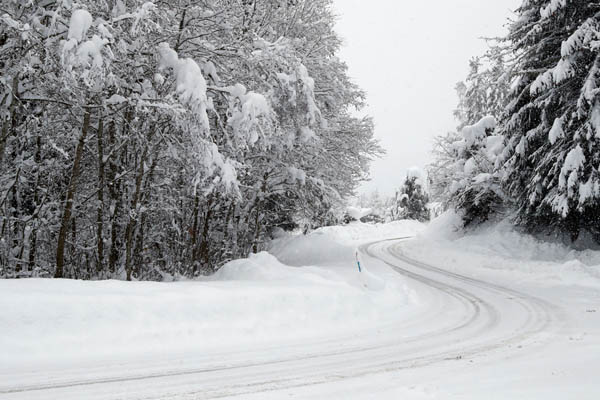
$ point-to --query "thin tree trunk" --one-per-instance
(257, 222)
(133, 218)
(20, 256)
(181, 28)
(113, 256)
(229, 231)
(68, 205)
(257, 230)
(114, 193)
(144, 199)
(194, 232)
(76, 273)
(138, 259)
(204, 251)
(100, 207)
(36, 199)
(11, 117)
(32, 249)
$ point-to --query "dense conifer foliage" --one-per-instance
(541, 162)
(411, 200)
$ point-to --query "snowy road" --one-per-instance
(460, 322)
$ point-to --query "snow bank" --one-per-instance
(264, 267)
(502, 248)
(316, 248)
(247, 304)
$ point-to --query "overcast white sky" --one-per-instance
(408, 57)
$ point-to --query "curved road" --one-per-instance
(462, 318)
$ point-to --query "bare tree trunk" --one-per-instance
(257, 222)
(194, 232)
(113, 256)
(11, 117)
(76, 273)
(181, 28)
(229, 228)
(114, 190)
(100, 206)
(257, 230)
(133, 218)
(204, 251)
(32, 249)
(21, 251)
(68, 206)
(116, 194)
(36, 199)
(144, 199)
(138, 259)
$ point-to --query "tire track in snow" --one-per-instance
(480, 316)
(540, 316)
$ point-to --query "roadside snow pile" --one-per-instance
(335, 244)
(500, 247)
(264, 267)
(315, 248)
(248, 304)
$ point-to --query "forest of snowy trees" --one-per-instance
(153, 139)
(528, 143)
(149, 139)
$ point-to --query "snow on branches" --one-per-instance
(188, 130)
(543, 160)
(189, 82)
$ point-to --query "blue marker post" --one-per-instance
(358, 262)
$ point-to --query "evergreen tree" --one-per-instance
(464, 173)
(485, 90)
(552, 123)
(412, 200)
(476, 189)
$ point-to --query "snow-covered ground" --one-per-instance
(559, 361)
(499, 247)
(337, 245)
(252, 304)
(489, 315)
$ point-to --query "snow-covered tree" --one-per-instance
(463, 172)
(143, 140)
(442, 169)
(476, 188)
(412, 198)
(379, 205)
(552, 122)
(485, 90)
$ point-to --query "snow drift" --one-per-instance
(500, 247)
(249, 304)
